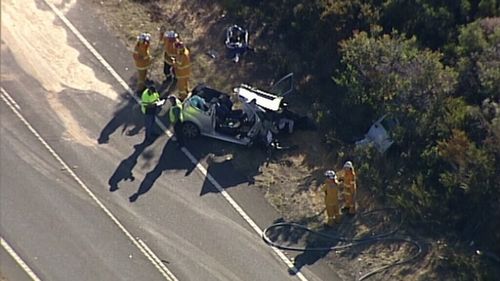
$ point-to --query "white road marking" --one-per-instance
(200, 167)
(10, 99)
(140, 245)
(19, 260)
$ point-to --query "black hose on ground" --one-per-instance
(350, 242)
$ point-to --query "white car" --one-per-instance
(379, 134)
(271, 100)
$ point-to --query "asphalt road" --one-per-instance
(56, 208)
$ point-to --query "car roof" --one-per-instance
(207, 93)
(263, 99)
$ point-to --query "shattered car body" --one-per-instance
(263, 116)
(206, 119)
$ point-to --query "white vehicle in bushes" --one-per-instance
(379, 134)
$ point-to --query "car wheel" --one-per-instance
(190, 130)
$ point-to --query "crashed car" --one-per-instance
(206, 112)
(210, 113)
(379, 134)
(274, 105)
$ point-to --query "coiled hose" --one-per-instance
(350, 242)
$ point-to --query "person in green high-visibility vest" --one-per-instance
(150, 101)
(176, 118)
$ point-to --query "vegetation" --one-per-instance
(435, 66)
(432, 64)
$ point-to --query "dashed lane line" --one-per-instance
(188, 154)
(136, 241)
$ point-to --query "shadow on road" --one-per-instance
(223, 170)
(229, 164)
(124, 170)
(128, 117)
(172, 158)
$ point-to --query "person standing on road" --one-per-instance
(182, 70)
(150, 100)
(330, 188)
(176, 118)
(143, 60)
(349, 180)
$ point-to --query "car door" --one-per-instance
(213, 119)
(284, 86)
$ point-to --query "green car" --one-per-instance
(209, 112)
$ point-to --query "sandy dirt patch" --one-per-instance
(41, 48)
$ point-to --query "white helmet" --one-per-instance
(145, 37)
(348, 165)
(330, 174)
(171, 34)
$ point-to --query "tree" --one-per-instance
(448, 170)
(390, 74)
(479, 60)
(435, 22)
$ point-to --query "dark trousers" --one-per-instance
(178, 133)
(167, 70)
(149, 121)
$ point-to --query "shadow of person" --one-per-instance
(172, 158)
(124, 169)
(312, 244)
(318, 245)
(127, 115)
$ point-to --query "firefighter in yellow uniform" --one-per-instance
(331, 190)
(170, 38)
(143, 59)
(349, 179)
(182, 70)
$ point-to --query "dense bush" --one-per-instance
(435, 65)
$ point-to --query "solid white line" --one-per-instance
(12, 101)
(89, 46)
(157, 260)
(18, 259)
(149, 254)
(200, 167)
(242, 213)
